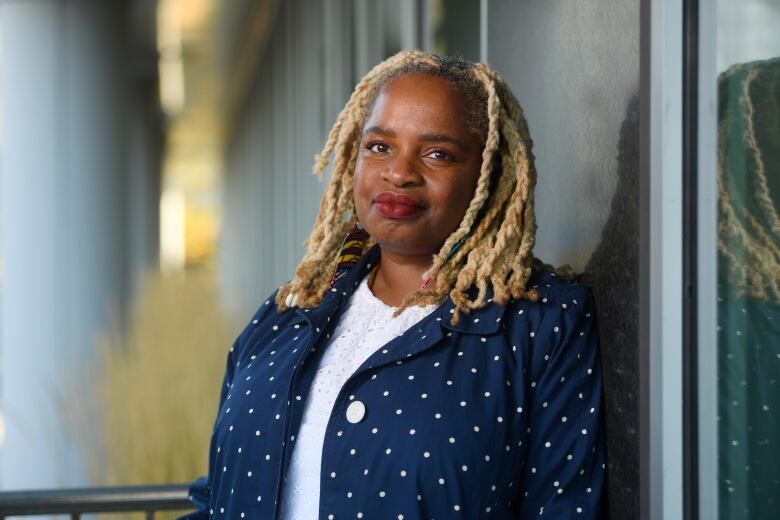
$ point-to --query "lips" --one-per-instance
(393, 205)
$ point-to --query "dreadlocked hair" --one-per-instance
(748, 224)
(494, 241)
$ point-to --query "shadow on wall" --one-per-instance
(612, 273)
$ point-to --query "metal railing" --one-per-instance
(78, 501)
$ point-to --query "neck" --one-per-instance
(398, 276)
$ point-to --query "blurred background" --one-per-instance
(155, 187)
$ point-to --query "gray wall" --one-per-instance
(270, 198)
(574, 66)
(69, 252)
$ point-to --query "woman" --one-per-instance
(419, 364)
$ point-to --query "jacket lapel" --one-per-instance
(322, 318)
(432, 329)
(418, 338)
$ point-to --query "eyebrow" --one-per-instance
(441, 138)
(379, 130)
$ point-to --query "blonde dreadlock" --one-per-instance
(749, 227)
(494, 241)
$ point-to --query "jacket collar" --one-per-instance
(486, 320)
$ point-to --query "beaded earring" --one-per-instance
(350, 251)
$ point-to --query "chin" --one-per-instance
(406, 248)
(399, 236)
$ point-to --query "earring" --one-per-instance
(455, 248)
(350, 252)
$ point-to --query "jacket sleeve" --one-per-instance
(563, 474)
(200, 489)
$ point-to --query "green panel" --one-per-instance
(749, 290)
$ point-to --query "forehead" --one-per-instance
(418, 98)
(418, 82)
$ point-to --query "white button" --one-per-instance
(355, 411)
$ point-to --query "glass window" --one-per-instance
(748, 242)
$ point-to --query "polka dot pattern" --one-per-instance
(748, 333)
(453, 424)
(366, 325)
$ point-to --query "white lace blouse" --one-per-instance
(366, 325)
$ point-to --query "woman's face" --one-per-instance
(417, 167)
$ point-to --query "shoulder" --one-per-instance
(564, 314)
(556, 296)
(265, 321)
(267, 310)
(555, 290)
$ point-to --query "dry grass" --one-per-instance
(154, 394)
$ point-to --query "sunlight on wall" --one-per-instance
(190, 207)
(172, 230)
(170, 66)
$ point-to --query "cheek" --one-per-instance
(360, 190)
(460, 205)
(466, 191)
(463, 193)
(455, 203)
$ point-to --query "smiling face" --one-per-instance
(417, 166)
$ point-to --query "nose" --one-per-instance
(403, 171)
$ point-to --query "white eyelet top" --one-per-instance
(366, 325)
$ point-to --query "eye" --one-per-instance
(441, 155)
(377, 147)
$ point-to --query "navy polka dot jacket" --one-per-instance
(505, 409)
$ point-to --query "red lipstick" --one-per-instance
(393, 205)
